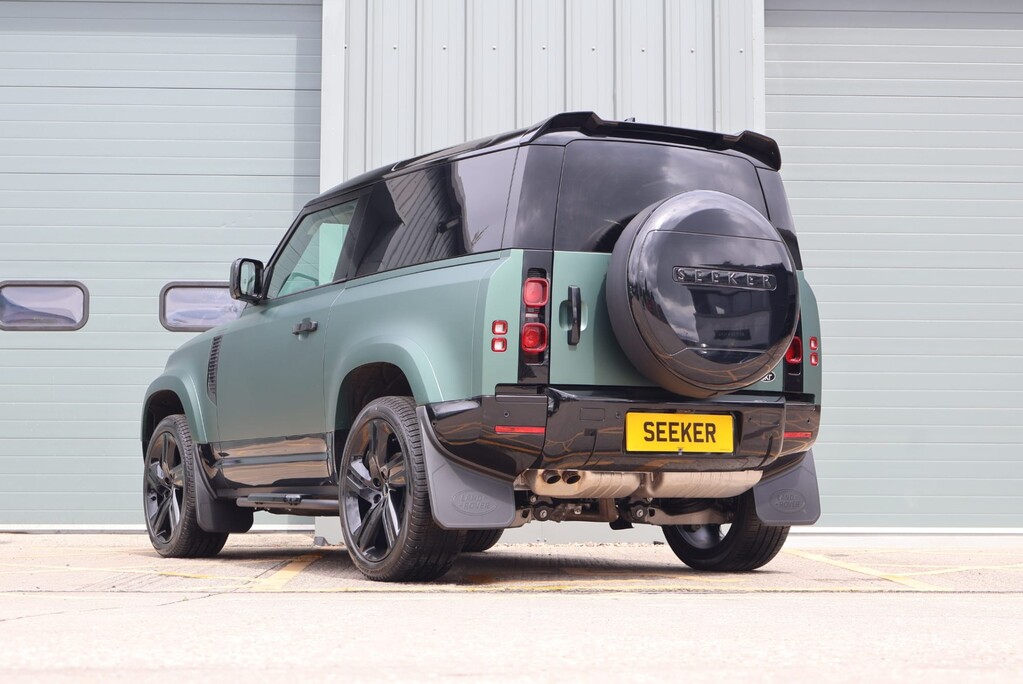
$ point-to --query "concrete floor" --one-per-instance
(105, 607)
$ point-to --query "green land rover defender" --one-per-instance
(587, 320)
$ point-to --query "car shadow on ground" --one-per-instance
(504, 564)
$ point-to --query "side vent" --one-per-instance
(211, 370)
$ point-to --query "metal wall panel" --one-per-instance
(140, 142)
(417, 75)
(901, 131)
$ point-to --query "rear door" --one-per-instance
(604, 184)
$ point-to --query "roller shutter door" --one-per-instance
(140, 143)
(901, 127)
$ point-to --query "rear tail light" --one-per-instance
(536, 292)
(534, 338)
(499, 344)
(794, 354)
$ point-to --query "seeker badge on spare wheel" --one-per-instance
(689, 275)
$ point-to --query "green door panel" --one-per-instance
(270, 381)
(597, 359)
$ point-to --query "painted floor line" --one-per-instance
(277, 580)
(864, 570)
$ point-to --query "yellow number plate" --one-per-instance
(675, 432)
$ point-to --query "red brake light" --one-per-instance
(534, 338)
(536, 292)
(500, 327)
(520, 429)
(794, 354)
(499, 344)
(814, 359)
(813, 344)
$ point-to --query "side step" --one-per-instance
(291, 504)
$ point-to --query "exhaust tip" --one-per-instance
(551, 477)
(572, 477)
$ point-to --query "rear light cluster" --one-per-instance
(536, 295)
(533, 339)
(794, 354)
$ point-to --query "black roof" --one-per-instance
(568, 126)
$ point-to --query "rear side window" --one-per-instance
(43, 305)
(606, 183)
(438, 213)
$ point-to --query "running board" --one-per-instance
(295, 504)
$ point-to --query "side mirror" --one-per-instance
(247, 280)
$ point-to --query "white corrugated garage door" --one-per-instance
(140, 143)
(901, 126)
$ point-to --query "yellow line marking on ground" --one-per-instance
(277, 580)
(963, 568)
(864, 570)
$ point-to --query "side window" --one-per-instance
(43, 305)
(438, 213)
(194, 307)
(312, 254)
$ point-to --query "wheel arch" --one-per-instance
(170, 395)
(398, 367)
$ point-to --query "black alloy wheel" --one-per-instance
(744, 544)
(386, 518)
(375, 490)
(165, 487)
(168, 494)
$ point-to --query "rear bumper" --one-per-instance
(561, 429)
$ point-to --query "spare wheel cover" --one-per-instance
(702, 294)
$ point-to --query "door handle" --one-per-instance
(575, 304)
(306, 326)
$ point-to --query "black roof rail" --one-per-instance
(756, 145)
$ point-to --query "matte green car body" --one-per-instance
(270, 397)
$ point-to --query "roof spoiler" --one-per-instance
(756, 145)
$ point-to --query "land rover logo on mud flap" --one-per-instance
(743, 280)
(473, 503)
(788, 501)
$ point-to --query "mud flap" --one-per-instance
(217, 515)
(791, 497)
(460, 498)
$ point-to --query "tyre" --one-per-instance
(746, 544)
(478, 541)
(169, 494)
(385, 504)
(702, 294)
